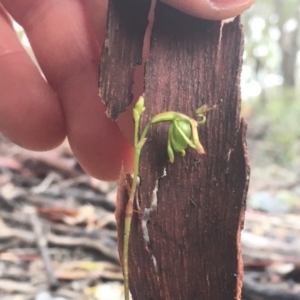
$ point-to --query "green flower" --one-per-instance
(183, 132)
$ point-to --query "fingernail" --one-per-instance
(225, 9)
(221, 4)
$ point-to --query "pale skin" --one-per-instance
(67, 36)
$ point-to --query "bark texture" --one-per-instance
(122, 52)
(190, 246)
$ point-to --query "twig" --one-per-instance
(16, 286)
(84, 242)
(43, 248)
(253, 289)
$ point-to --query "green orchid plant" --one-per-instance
(183, 132)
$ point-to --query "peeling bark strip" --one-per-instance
(126, 25)
(194, 249)
(125, 182)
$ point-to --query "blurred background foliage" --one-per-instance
(270, 81)
(270, 91)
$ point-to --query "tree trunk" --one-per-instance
(288, 42)
(190, 248)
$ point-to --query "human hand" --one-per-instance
(65, 36)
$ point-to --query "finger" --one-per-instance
(97, 12)
(30, 114)
(211, 9)
(4, 15)
(68, 53)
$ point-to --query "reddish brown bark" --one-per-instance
(194, 231)
(122, 52)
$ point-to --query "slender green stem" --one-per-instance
(192, 141)
(129, 207)
(145, 131)
(138, 144)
